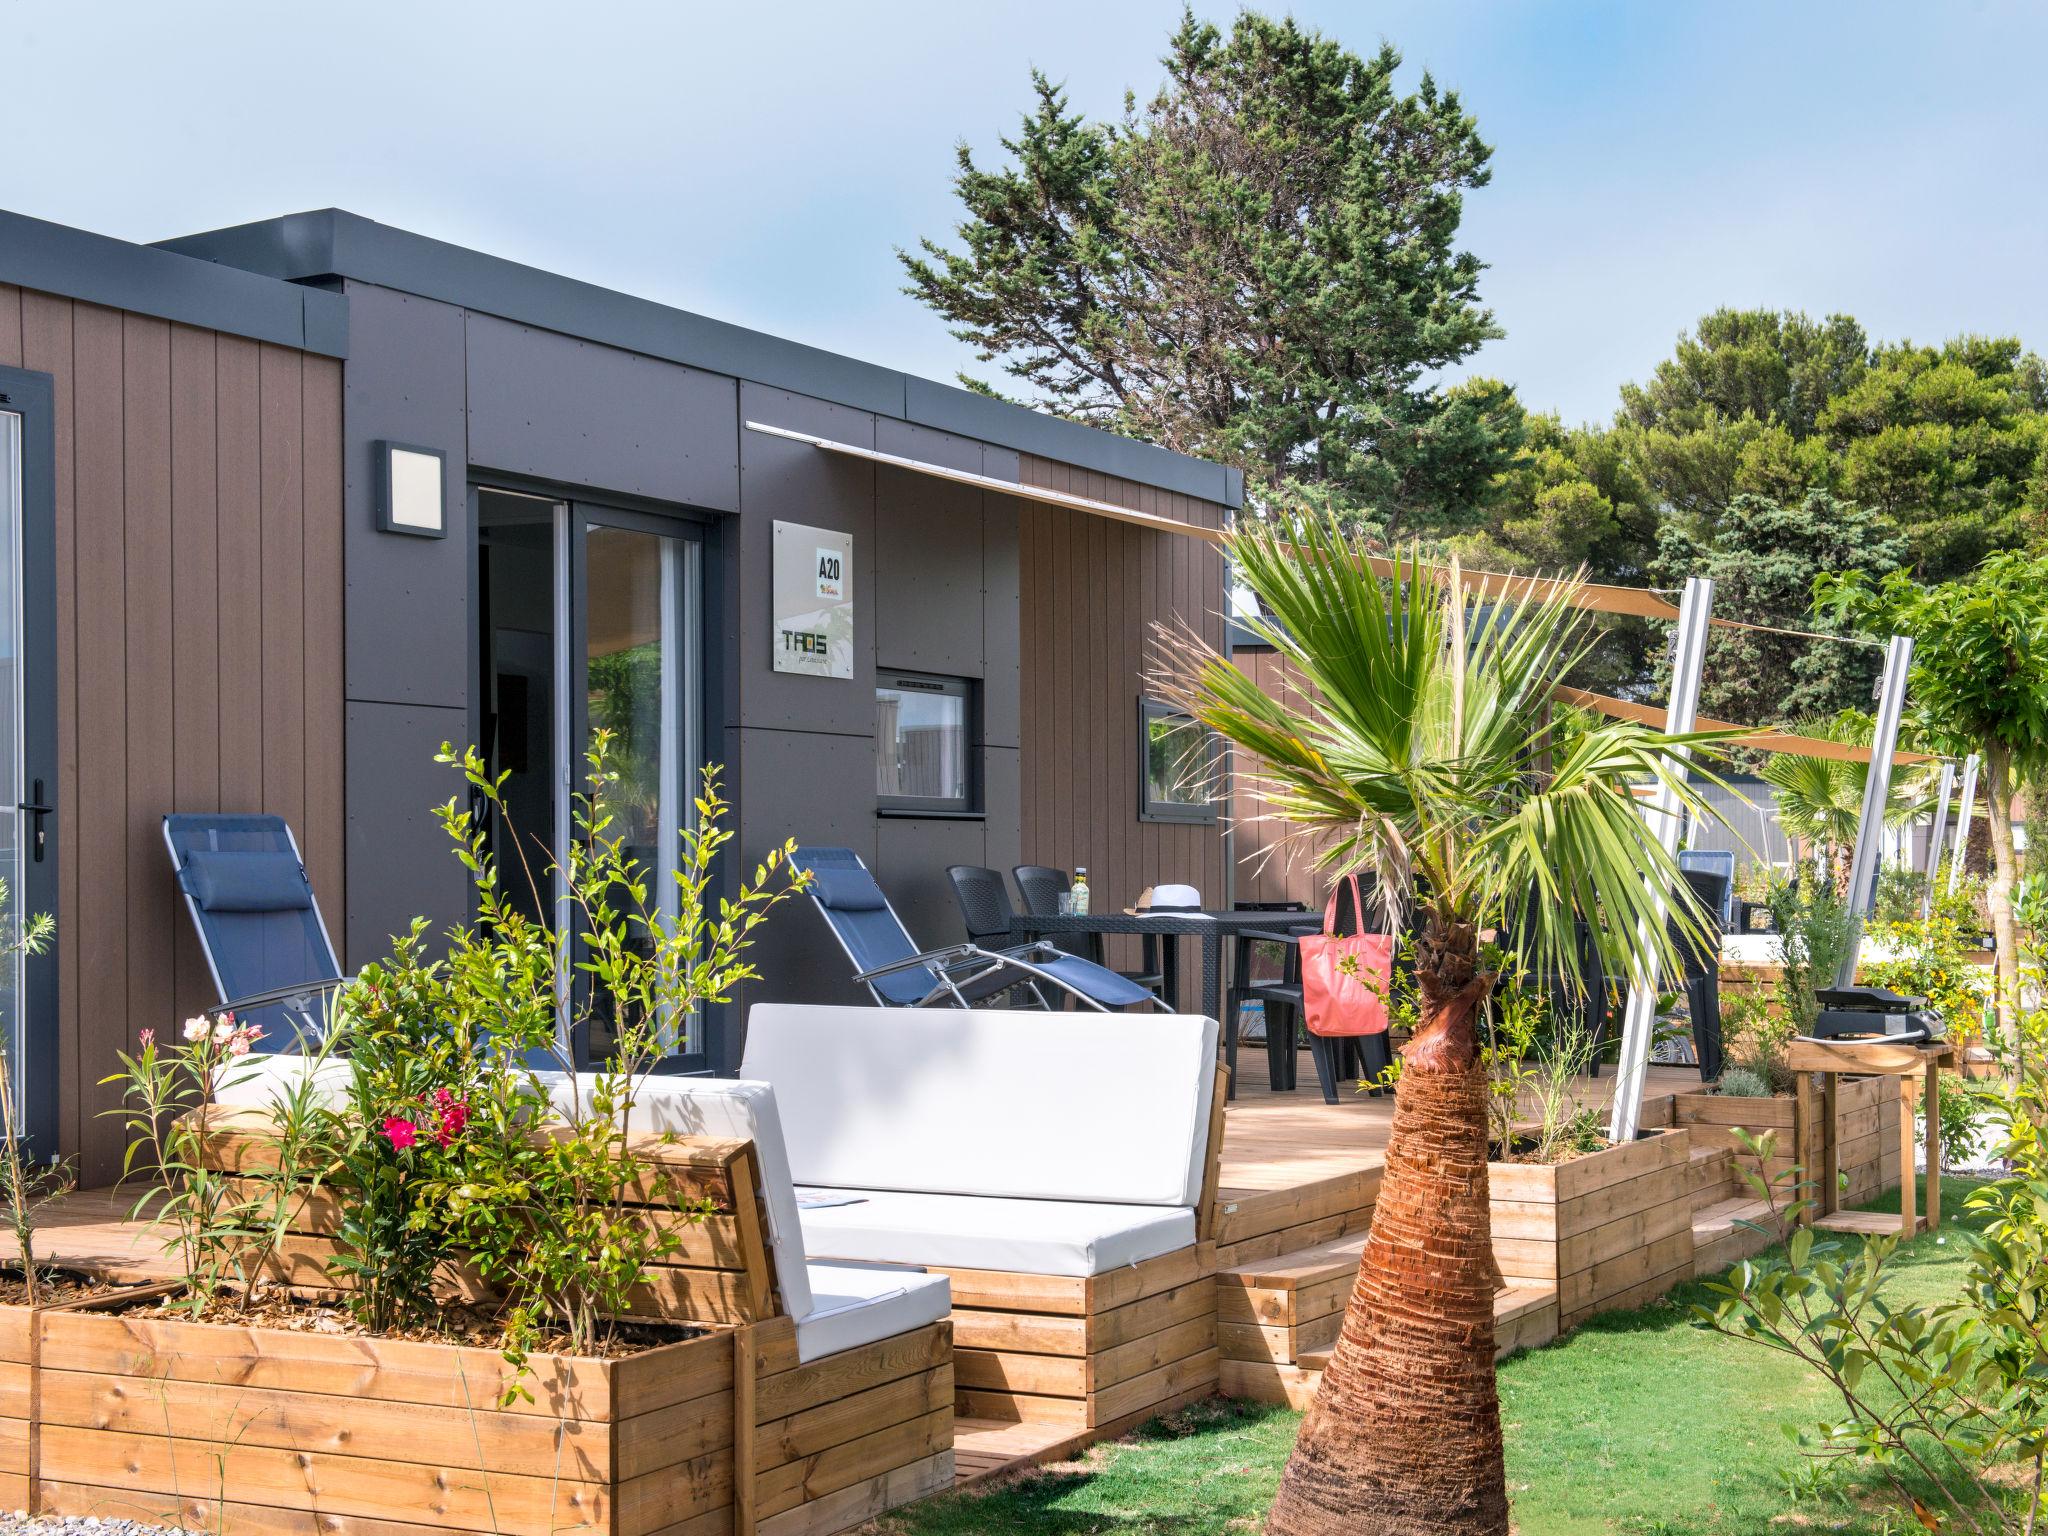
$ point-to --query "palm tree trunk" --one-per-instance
(1404, 1438)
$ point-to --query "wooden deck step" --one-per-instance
(1726, 1231)
(1714, 1177)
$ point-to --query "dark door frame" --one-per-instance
(719, 1028)
(583, 514)
(33, 397)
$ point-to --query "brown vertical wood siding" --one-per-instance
(199, 617)
(1092, 588)
(1273, 861)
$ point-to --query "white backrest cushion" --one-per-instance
(1045, 1106)
(262, 1080)
(705, 1106)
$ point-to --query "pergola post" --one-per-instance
(1955, 861)
(1688, 660)
(1891, 703)
(1935, 837)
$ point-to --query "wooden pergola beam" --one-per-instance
(1764, 740)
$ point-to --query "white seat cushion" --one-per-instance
(856, 1304)
(1032, 1237)
(1035, 1106)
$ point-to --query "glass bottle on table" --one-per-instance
(1080, 892)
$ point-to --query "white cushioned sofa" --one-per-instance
(1055, 1165)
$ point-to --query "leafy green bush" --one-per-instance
(1812, 923)
(1757, 1035)
(1948, 1403)
(1744, 1083)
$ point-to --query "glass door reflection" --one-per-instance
(639, 664)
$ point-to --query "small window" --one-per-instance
(926, 738)
(1176, 765)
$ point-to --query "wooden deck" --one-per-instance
(1296, 1173)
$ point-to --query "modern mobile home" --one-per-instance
(289, 505)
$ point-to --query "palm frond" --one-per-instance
(1404, 763)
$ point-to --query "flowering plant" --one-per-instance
(222, 1225)
(459, 1052)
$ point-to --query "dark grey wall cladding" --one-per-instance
(399, 864)
(928, 556)
(560, 409)
(911, 859)
(799, 484)
(818, 789)
(407, 631)
(978, 416)
(330, 242)
(1004, 830)
(53, 258)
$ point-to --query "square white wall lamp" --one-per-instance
(411, 493)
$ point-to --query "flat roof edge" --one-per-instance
(331, 243)
(145, 280)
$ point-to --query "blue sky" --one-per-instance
(758, 163)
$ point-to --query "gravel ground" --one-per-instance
(18, 1524)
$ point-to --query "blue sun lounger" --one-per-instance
(259, 926)
(898, 974)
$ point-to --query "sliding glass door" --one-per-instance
(28, 844)
(591, 623)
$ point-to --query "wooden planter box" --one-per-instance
(1867, 1135)
(1610, 1230)
(722, 1272)
(271, 1432)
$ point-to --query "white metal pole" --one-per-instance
(1688, 659)
(1891, 702)
(1955, 860)
(1935, 837)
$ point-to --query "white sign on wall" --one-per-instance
(813, 592)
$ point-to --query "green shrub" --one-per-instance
(1744, 1083)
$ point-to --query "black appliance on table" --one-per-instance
(1874, 1012)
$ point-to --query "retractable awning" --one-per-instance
(1596, 597)
(1038, 493)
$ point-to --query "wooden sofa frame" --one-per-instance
(1097, 1352)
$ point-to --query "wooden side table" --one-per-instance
(1917, 1068)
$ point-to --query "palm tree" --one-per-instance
(1820, 800)
(1410, 750)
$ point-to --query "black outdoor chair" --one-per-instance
(1337, 1057)
(1042, 886)
(1700, 965)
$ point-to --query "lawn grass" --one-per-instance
(1638, 1424)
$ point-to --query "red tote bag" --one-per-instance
(1338, 999)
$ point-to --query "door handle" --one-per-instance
(38, 811)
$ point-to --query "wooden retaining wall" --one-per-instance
(1867, 1119)
(1610, 1230)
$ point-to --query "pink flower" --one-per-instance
(197, 1029)
(147, 1037)
(454, 1117)
(400, 1132)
